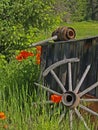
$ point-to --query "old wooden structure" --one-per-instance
(86, 50)
(70, 70)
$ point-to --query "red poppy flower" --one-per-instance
(39, 49)
(24, 55)
(38, 58)
(38, 62)
(19, 57)
(56, 98)
(2, 115)
(30, 54)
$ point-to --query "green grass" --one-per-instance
(17, 105)
(84, 29)
(28, 118)
(24, 114)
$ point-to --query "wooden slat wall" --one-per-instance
(86, 50)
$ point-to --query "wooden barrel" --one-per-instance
(64, 33)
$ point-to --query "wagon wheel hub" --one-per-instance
(70, 99)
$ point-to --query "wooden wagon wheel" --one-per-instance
(72, 99)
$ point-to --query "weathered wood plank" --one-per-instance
(84, 49)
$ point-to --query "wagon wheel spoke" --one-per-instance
(47, 89)
(89, 100)
(61, 117)
(71, 119)
(70, 76)
(88, 89)
(58, 81)
(88, 110)
(57, 64)
(70, 98)
(64, 114)
(82, 79)
(81, 118)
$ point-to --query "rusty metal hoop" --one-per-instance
(64, 33)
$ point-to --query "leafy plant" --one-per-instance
(21, 73)
(22, 21)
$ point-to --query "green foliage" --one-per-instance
(3, 63)
(23, 21)
(84, 29)
(75, 9)
(17, 93)
(79, 10)
(36, 13)
(19, 72)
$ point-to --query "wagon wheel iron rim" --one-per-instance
(71, 98)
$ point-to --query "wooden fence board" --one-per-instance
(85, 49)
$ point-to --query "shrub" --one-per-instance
(23, 73)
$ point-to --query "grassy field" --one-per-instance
(84, 29)
(21, 113)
